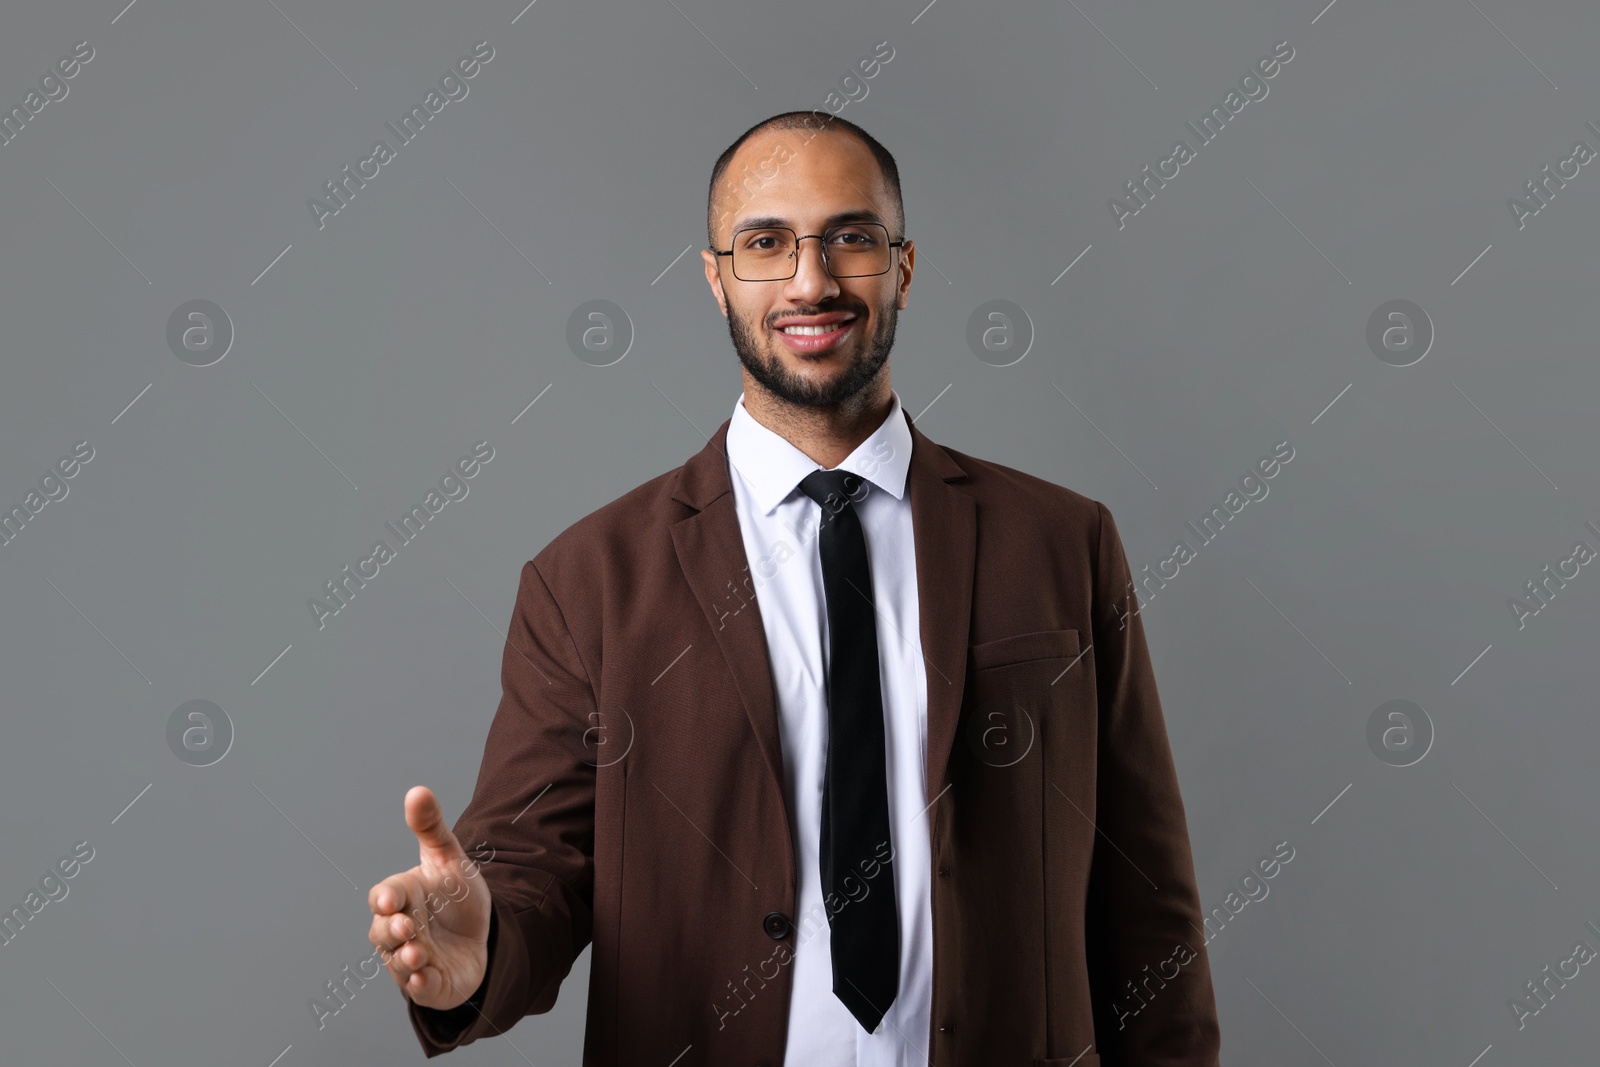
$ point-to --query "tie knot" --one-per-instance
(833, 489)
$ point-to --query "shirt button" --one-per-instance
(777, 925)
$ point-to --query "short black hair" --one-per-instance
(816, 122)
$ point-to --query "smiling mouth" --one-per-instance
(813, 339)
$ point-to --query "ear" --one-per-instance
(908, 264)
(714, 278)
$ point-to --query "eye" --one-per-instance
(765, 242)
(852, 238)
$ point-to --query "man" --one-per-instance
(839, 746)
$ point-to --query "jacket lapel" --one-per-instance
(944, 520)
(711, 552)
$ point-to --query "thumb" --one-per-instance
(426, 820)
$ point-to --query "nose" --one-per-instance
(812, 283)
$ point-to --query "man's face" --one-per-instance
(814, 181)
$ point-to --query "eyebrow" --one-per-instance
(838, 219)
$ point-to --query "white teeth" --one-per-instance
(812, 331)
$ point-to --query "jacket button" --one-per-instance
(777, 925)
(944, 872)
(948, 1028)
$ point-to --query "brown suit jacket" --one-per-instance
(631, 792)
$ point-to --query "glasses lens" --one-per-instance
(763, 255)
(853, 251)
(857, 250)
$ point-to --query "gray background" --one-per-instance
(1173, 355)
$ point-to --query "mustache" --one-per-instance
(804, 313)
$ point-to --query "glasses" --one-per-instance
(770, 253)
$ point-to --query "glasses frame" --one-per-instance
(823, 237)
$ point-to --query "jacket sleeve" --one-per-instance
(1149, 970)
(530, 826)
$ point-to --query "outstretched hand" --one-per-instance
(432, 921)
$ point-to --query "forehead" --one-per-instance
(780, 174)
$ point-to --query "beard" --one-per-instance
(766, 366)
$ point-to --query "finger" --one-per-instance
(403, 928)
(416, 985)
(389, 932)
(382, 935)
(398, 970)
(413, 955)
(388, 896)
(410, 957)
(426, 982)
(427, 821)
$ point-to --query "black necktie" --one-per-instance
(865, 931)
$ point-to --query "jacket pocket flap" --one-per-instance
(1018, 648)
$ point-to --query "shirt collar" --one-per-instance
(772, 468)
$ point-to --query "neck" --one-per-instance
(827, 435)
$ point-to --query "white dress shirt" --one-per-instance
(779, 525)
